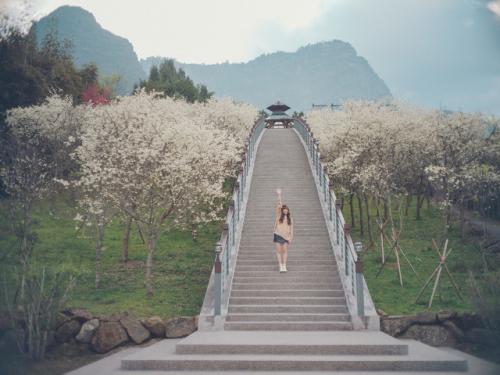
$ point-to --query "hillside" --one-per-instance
(92, 43)
(321, 73)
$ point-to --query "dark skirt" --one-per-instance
(279, 239)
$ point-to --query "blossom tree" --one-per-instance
(158, 161)
(38, 156)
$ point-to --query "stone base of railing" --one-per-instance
(211, 322)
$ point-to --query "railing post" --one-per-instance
(231, 228)
(358, 246)
(237, 205)
(218, 279)
(330, 188)
(325, 186)
(338, 207)
(347, 229)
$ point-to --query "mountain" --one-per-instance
(91, 43)
(321, 73)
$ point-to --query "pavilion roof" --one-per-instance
(278, 107)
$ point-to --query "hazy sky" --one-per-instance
(431, 52)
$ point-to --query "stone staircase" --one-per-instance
(294, 321)
(310, 295)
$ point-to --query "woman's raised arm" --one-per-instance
(278, 206)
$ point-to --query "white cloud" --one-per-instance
(195, 30)
(494, 6)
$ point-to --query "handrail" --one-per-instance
(217, 297)
(347, 253)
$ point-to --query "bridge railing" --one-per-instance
(216, 299)
(347, 253)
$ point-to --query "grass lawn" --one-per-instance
(182, 266)
(416, 243)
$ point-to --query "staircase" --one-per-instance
(310, 295)
(302, 320)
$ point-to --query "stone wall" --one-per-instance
(103, 333)
(445, 328)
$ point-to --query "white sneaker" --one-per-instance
(284, 268)
(281, 268)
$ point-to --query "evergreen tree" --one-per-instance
(174, 83)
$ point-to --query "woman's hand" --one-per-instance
(278, 190)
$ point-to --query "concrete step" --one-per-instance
(287, 326)
(300, 343)
(287, 293)
(331, 267)
(290, 262)
(298, 273)
(225, 356)
(288, 317)
(307, 249)
(285, 277)
(284, 286)
(288, 309)
(263, 255)
(286, 301)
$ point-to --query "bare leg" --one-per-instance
(284, 255)
(278, 254)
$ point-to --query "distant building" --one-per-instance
(332, 106)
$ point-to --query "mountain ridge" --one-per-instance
(112, 53)
(318, 73)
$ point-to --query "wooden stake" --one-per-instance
(437, 273)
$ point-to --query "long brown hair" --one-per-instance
(288, 217)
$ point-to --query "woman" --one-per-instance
(283, 232)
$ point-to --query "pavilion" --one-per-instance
(278, 117)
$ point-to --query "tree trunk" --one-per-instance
(351, 208)
(369, 220)
(98, 252)
(126, 238)
(149, 266)
(386, 210)
(420, 202)
(462, 220)
(361, 221)
(409, 199)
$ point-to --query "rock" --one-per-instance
(468, 321)
(381, 312)
(134, 328)
(481, 336)
(61, 319)
(156, 326)
(445, 315)
(179, 327)
(457, 332)
(395, 324)
(79, 314)
(425, 318)
(67, 330)
(87, 331)
(434, 335)
(109, 335)
(115, 317)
